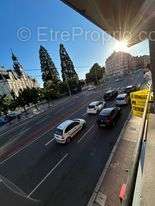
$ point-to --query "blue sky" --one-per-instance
(50, 23)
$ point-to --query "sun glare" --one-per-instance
(121, 46)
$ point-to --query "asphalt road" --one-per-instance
(59, 175)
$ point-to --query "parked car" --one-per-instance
(2, 121)
(122, 99)
(91, 88)
(95, 107)
(68, 129)
(110, 94)
(130, 88)
(108, 116)
(12, 116)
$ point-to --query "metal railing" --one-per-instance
(130, 186)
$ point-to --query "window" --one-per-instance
(70, 127)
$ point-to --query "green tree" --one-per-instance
(95, 74)
(69, 74)
(50, 74)
(6, 104)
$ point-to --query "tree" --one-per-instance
(27, 96)
(49, 71)
(69, 74)
(6, 104)
(95, 74)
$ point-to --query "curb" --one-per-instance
(98, 196)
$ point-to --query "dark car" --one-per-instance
(2, 121)
(108, 116)
(12, 116)
(110, 95)
(130, 88)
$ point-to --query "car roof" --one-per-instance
(122, 95)
(64, 124)
(130, 86)
(107, 110)
(109, 91)
(93, 103)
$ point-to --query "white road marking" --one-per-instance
(84, 114)
(39, 122)
(25, 146)
(52, 170)
(49, 142)
(27, 120)
(86, 133)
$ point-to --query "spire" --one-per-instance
(16, 65)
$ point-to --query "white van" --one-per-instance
(122, 99)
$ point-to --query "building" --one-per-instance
(122, 62)
(15, 79)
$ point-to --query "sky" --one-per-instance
(27, 24)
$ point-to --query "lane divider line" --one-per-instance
(86, 133)
(49, 142)
(50, 172)
(35, 140)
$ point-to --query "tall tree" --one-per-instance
(95, 74)
(49, 71)
(69, 74)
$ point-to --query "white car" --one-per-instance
(68, 129)
(95, 107)
(91, 88)
(122, 99)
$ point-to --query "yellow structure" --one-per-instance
(138, 100)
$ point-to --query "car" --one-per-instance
(108, 116)
(110, 94)
(95, 107)
(130, 88)
(91, 88)
(122, 99)
(2, 121)
(68, 129)
(12, 116)
(117, 80)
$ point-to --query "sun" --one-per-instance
(121, 46)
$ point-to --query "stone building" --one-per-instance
(15, 79)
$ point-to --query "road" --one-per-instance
(59, 174)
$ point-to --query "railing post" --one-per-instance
(152, 56)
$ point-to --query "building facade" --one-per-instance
(15, 79)
(10, 81)
(122, 62)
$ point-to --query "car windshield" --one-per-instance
(58, 131)
(120, 98)
(91, 106)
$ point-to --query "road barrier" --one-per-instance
(130, 185)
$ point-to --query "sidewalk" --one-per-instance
(148, 181)
(116, 171)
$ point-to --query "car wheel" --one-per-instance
(84, 125)
(68, 140)
(114, 123)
